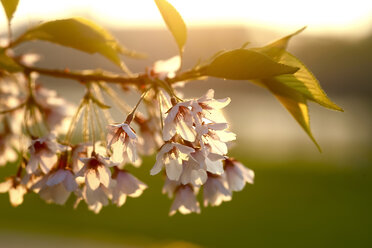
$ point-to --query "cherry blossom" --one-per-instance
(216, 191)
(171, 155)
(123, 139)
(237, 175)
(96, 171)
(43, 154)
(179, 120)
(184, 201)
(125, 184)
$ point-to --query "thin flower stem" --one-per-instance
(85, 123)
(106, 112)
(99, 124)
(116, 99)
(91, 124)
(160, 112)
(74, 120)
(131, 115)
(35, 122)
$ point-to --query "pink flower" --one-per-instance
(209, 108)
(97, 198)
(170, 187)
(43, 153)
(96, 171)
(179, 120)
(185, 201)
(237, 175)
(124, 150)
(216, 191)
(64, 177)
(210, 162)
(172, 156)
(193, 173)
(126, 185)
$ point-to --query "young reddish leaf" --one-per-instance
(80, 34)
(8, 64)
(10, 7)
(243, 64)
(174, 22)
(293, 101)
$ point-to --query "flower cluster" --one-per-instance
(194, 155)
(191, 138)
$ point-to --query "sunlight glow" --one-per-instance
(335, 17)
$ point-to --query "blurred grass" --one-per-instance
(292, 204)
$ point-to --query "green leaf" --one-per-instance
(276, 49)
(293, 101)
(243, 64)
(10, 7)
(77, 33)
(8, 64)
(293, 90)
(304, 82)
(174, 22)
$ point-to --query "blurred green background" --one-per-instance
(301, 198)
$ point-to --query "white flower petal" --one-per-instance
(57, 177)
(185, 202)
(214, 167)
(32, 164)
(186, 131)
(47, 162)
(173, 168)
(92, 179)
(70, 182)
(184, 149)
(104, 175)
(158, 166)
(128, 130)
(169, 130)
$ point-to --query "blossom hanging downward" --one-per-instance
(171, 155)
(122, 139)
(56, 186)
(125, 184)
(179, 120)
(43, 153)
(184, 201)
(195, 154)
(96, 171)
(237, 175)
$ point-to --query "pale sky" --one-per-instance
(321, 16)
